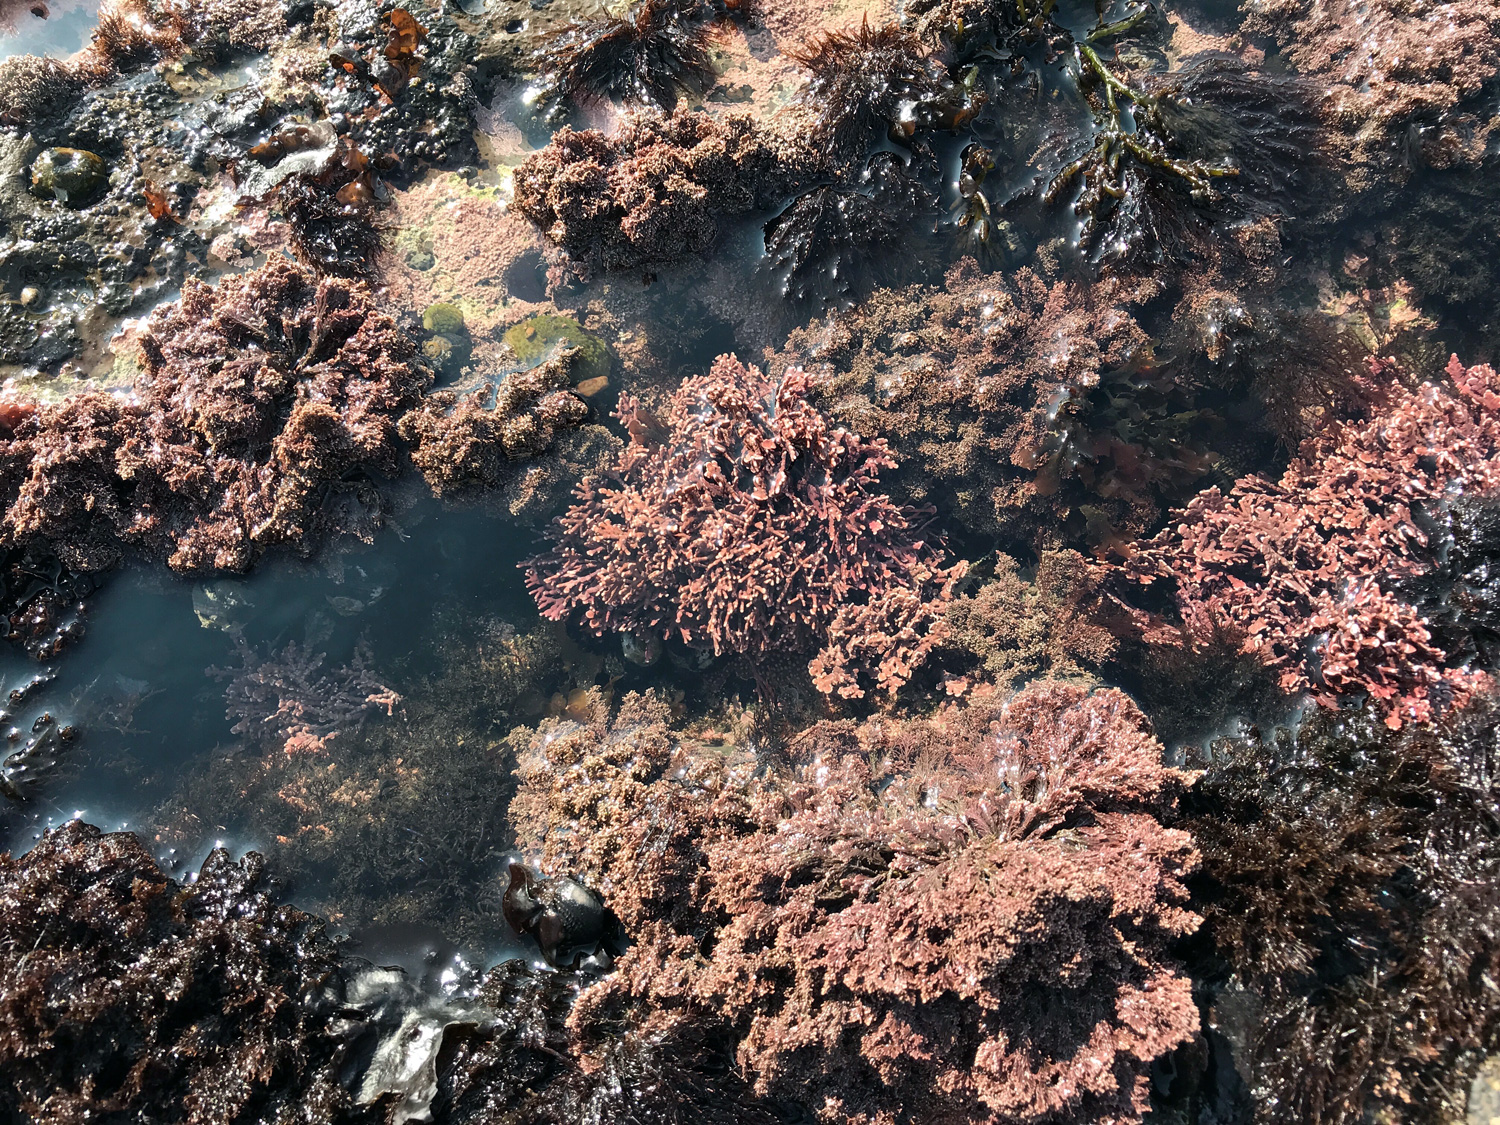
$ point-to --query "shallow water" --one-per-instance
(147, 712)
(65, 31)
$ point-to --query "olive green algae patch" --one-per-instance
(538, 338)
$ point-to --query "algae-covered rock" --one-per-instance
(69, 175)
(540, 337)
(444, 319)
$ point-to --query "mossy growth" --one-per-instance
(444, 319)
(538, 338)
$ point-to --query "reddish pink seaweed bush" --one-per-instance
(265, 406)
(957, 919)
(1301, 573)
(653, 192)
(1389, 61)
(289, 700)
(745, 522)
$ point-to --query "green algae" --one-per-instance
(538, 338)
(444, 319)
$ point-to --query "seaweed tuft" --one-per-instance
(646, 57)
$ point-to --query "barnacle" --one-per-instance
(32, 87)
(645, 57)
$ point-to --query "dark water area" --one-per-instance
(149, 716)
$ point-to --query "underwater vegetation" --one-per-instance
(1303, 573)
(488, 439)
(1353, 894)
(288, 698)
(1011, 628)
(206, 1001)
(183, 1003)
(954, 919)
(652, 192)
(962, 381)
(836, 242)
(643, 56)
(284, 444)
(871, 82)
(829, 799)
(213, 461)
(1205, 143)
(1387, 63)
(340, 775)
(743, 522)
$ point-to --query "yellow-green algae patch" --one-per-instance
(538, 338)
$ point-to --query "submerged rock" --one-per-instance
(568, 921)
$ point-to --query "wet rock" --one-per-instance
(104, 252)
(68, 175)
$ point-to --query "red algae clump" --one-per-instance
(982, 387)
(1390, 62)
(1303, 573)
(652, 192)
(261, 405)
(958, 919)
(464, 442)
(289, 699)
(745, 522)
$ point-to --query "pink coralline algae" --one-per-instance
(1300, 573)
(745, 522)
(959, 919)
(265, 408)
(288, 699)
